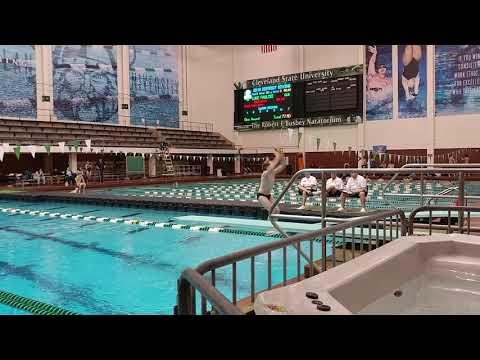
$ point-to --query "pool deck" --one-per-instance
(134, 182)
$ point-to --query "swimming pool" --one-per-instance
(112, 260)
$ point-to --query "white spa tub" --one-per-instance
(438, 274)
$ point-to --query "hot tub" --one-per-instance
(438, 274)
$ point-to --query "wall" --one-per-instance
(421, 133)
(209, 86)
(205, 87)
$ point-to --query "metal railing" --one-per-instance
(443, 192)
(374, 231)
(324, 173)
(117, 118)
(196, 126)
(189, 284)
(422, 177)
(460, 227)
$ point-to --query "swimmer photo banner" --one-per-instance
(457, 79)
(412, 81)
(379, 84)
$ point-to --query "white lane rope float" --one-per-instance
(146, 223)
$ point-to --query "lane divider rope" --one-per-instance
(32, 306)
(145, 223)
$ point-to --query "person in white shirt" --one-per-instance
(334, 185)
(39, 176)
(362, 162)
(306, 188)
(356, 187)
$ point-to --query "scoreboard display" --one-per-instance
(266, 103)
(308, 100)
(330, 95)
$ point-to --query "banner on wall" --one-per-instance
(18, 84)
(379, 88)
(457, 79)
(379, 149)
(154, 85)
(85, 83)
(412, 81)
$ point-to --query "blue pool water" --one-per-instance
(94, 267)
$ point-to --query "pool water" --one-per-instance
(99, 267)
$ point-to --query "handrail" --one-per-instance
(443, 192)
(205, 125)
(261, 249)
(406, 169)
(189, 278)
(415, 165)
(216, 298)
(431, 209)
(397, 171)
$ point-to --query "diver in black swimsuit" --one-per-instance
(411, 70)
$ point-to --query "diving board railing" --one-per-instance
(458, 167)
(463, 225)
(443, 192)
(366, 233)
(417, 169)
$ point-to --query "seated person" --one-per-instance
(81, 183)
(39, 176)
(306, 188)
(356, 187)
(334, 185)
(69, 177)
(27, 175)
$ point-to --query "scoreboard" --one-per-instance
(264, 103)
(308, 100)
(325, 96)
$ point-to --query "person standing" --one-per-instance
(101, 168)
(362, 162)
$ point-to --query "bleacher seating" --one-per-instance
(190, 139)
(33, 132)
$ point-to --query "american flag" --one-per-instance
(268, 48)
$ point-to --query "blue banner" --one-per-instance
(457, 79)
(379, 87)
(85, 83)
(18, 84)
(154, 85)
(379, 149)
(412, 81)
